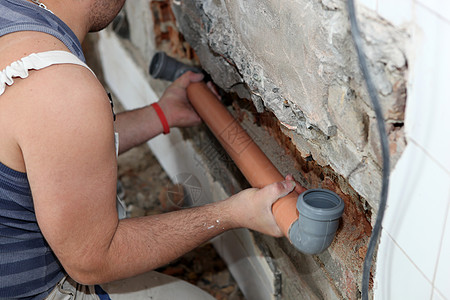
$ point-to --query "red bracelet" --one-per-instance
(162, 117)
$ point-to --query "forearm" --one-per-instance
(143, 244)
(137, 126)
(107, 249)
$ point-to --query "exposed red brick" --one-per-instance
(167, 36)
(166, 12)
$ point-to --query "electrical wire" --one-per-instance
(356, 35)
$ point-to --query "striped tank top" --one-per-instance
(28, 267)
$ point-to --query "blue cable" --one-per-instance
(356, 35)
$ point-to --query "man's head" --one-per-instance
(102, 12)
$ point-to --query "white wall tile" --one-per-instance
(397, 12)
(428, 104)
(442, 281)
(438, 296)
(417, 204)
(440, 7)
(397, 277)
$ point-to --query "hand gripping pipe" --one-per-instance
(309, 220)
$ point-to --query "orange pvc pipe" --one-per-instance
(253, 163)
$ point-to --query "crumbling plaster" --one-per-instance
(297, 59)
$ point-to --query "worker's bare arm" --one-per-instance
(66, 137)
(138, 126)
(65, 132)
(142, 244)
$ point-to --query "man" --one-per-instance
(58, 168)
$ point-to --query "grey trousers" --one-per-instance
(151, 285)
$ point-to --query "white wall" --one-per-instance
(414, 253)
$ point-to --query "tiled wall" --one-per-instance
(414, 253)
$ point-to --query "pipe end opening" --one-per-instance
(156, 65)
(320, 204)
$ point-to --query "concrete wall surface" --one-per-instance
(297, 59)
(301, 96)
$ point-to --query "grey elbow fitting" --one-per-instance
(165, 67)
(319, 214)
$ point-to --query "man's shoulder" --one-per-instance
(66, 96)
(61, 90)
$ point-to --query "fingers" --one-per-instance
(195, 77)
(187, 78)
(298, 188)
(289, 177)
(278, 190)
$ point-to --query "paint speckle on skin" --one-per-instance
(212, 226)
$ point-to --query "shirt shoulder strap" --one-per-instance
(36, 61)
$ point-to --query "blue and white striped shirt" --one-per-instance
(28, 267)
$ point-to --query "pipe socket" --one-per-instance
(165, 67)
(319, 213)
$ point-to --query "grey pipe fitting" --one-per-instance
(319, 214)
(165, 67)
